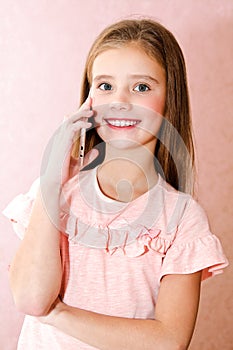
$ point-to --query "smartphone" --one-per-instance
(82, 139)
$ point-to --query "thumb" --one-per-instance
(90, 156)
(74, 162)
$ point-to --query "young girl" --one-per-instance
(113, 254)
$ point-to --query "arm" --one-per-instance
(34, 285)
(35, 273)
(175, 316)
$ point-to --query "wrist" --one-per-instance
(58, 313)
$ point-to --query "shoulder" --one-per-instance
(189, 204)
(174, 204)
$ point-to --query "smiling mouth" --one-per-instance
(122, 123)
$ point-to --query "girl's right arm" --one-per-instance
(35, 273)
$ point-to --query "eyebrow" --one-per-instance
(144, 76)
(135, 76)
(102, 77)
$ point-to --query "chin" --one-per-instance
(122, 144)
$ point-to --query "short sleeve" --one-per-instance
(19, 209)
(194, 248)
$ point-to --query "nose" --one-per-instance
(120, 106)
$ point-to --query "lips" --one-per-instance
(122, 123)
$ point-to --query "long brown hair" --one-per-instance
(174, 150)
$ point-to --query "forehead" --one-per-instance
(130, 59)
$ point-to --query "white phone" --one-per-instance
(82, 140)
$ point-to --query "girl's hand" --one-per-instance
(56, 161)
(74, 163)
(50, 317)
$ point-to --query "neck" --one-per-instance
(127, 174)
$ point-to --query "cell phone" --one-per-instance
(82, 140)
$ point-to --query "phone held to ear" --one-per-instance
(82, 139)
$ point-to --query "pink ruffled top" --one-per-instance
(114, 254)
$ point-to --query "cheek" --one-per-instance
(156, 103)
(98, 98)
(152, 124)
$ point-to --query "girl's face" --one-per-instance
(128, 92)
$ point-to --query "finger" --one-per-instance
(83, 111)
(81, 115)
(90, 156)
(85, 107)
(87, 104)
(76, 126)
(73, 126)
(77, 117)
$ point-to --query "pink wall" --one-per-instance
(42, 51)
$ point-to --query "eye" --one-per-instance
(105, 86)
(142, 88)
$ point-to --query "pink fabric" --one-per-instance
(115, 254)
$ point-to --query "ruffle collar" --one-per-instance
(133, 241)
(137, 227)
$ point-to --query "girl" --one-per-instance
(113, 255)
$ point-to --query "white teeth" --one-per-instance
(122, 123)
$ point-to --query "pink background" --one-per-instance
(43, 45)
